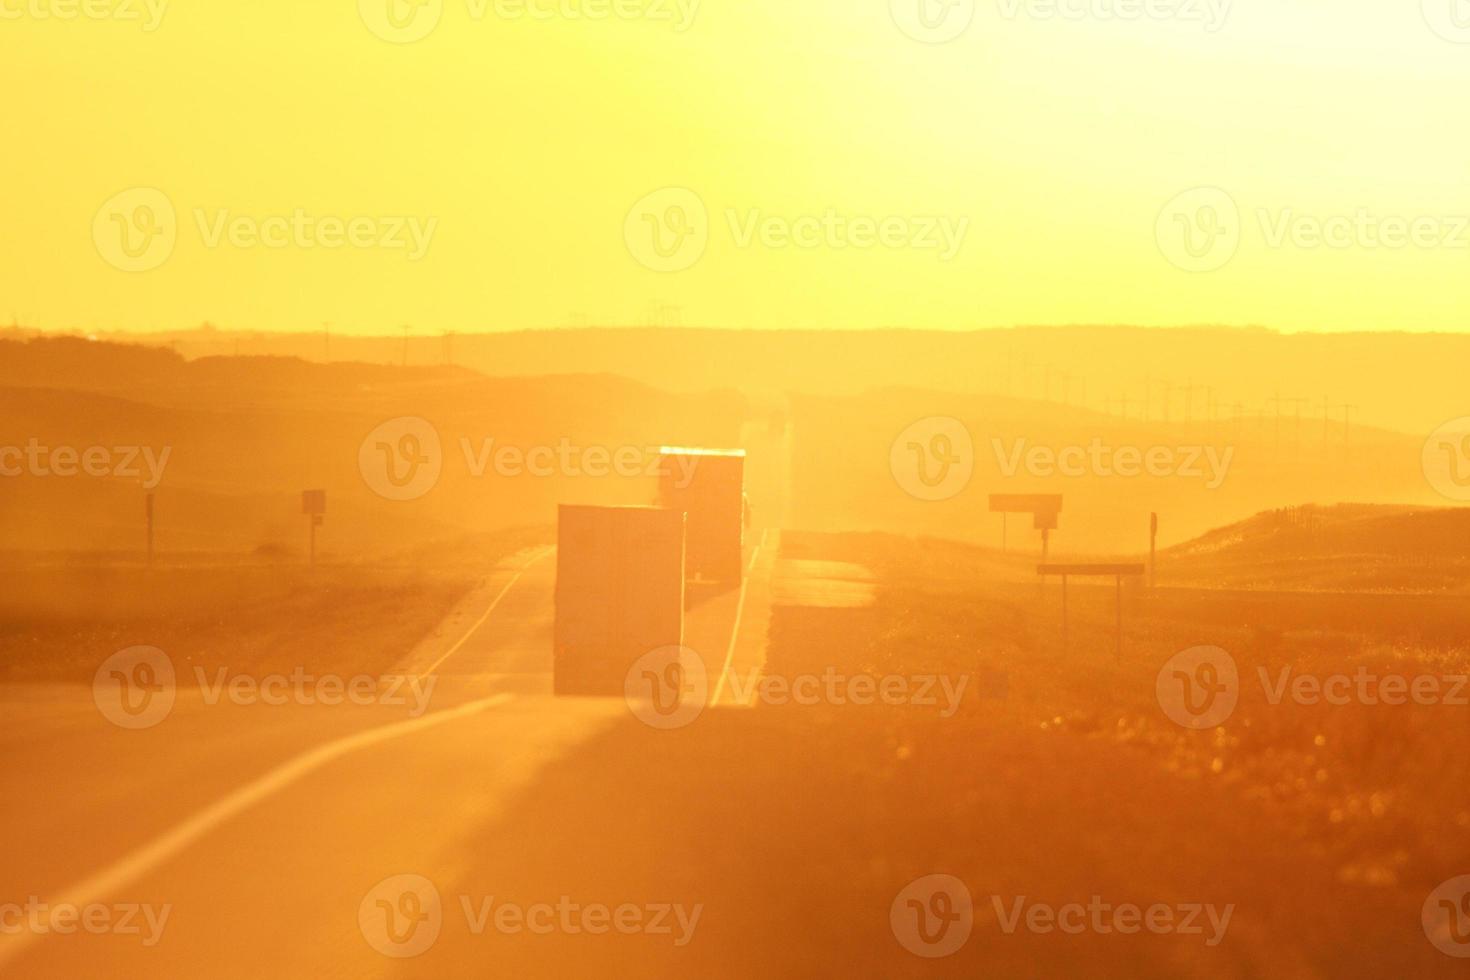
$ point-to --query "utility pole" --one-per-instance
(1153, 551)
(1276, 403)
(148, 508)
(1296, 432)
(1347, 413)
(405, 345)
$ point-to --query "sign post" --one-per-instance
(1116, 572)
(1044, 509)
(314, 506)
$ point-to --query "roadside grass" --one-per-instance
(1068, 781)
(58, 621)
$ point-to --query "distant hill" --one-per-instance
(1405, 382)
(1348, 546)
(246, 436)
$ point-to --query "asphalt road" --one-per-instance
(245, 839)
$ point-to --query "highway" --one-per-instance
(250, 840)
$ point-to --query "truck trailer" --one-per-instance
(709, 486)
(619, 593)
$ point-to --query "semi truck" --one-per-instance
(709, 486)
(619, 593)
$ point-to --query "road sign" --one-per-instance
(1044, 509)
(313, 505)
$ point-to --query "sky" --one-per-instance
(482, 165)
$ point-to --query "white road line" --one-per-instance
(152, 855)
(155, 853)
(481, 621)
(739, 612)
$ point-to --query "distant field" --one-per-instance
(1065, 781)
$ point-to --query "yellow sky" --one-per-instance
(822, 163)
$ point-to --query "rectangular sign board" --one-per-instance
(1027, 503)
